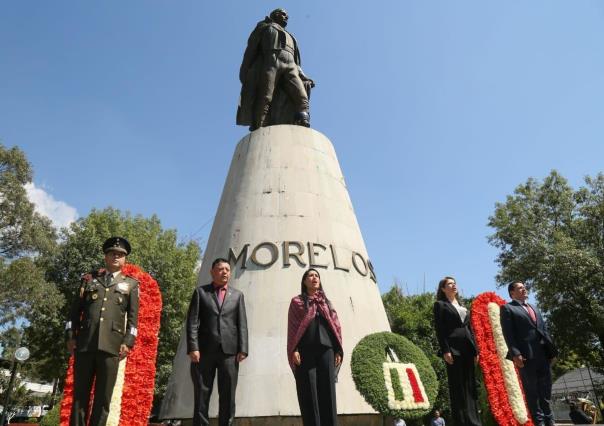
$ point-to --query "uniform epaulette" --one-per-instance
(89, 276)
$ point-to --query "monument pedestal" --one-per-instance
(284, 208)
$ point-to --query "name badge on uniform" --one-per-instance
(123, 287)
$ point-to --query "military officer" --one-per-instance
(101, 331)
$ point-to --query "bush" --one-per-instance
(52, 417)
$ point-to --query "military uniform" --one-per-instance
(103, 317)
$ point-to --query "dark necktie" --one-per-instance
(530, 311)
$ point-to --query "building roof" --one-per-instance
(577, 380)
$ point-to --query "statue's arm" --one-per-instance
(305, 78)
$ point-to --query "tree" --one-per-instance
(25, 295)
(154, 249)
(552, 238)
(22, 230)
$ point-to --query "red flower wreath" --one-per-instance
(490, 363)
(139, 379)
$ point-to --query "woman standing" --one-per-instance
(314, 351)
(458, 349)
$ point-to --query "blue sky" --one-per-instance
(437, 110)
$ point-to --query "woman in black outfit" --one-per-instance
(314, 346)
(458, 349)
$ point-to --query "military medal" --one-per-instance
(94, 296)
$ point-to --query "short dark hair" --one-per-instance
(220, 260)
(512, 286)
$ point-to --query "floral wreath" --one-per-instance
(133, 392)
(394, 376)
(504, 388)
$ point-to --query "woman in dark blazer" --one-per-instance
(458, 349)
(314, 350)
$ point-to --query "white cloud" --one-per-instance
(60, 213)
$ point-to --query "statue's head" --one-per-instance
(279, 16)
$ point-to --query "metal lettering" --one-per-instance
(371, 271)
(354, 263)
(272, 248)
(336, 265)
(234, 259)
(312, 253)
(297, 256)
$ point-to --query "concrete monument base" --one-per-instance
(284, 208)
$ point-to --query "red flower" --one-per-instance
(417, 393)
(489, 361)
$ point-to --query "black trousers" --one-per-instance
(463, 391)
(203, 374)
(536, 378)
(102, 368)
(316, 387)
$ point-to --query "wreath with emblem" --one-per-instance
(394, 376)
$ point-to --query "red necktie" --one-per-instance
(531, 312)
(221, 291)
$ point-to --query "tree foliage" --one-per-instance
(154, 249)
(25, 236)
(552, 237)
(22, 230)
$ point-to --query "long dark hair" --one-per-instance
(304, 293)
(440, 293)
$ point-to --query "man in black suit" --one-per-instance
(531, 349)
(216, 340)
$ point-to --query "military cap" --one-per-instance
(117, 244)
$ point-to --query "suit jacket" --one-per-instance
(103, 317)
(211, 327)
(453, 335)
(522, 335)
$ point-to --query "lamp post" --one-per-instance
(20, 355)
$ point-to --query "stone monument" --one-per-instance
(284, 208)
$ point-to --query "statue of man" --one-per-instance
(274, 88)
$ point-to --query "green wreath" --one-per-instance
(405, 387)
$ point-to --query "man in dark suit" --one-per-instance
(101, 330)
(531, 349)
(216, 341)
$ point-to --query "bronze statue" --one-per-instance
(274, 88)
